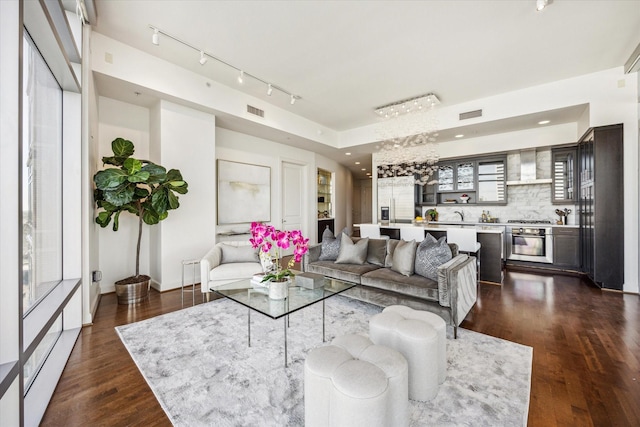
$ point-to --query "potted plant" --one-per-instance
(264, 237)
(141, 188)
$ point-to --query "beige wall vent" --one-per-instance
(470, 114)
(255, 111)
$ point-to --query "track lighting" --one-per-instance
(541, 4)
(205, 56)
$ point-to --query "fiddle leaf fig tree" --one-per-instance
(136, 186)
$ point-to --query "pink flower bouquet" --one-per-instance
(265, 237)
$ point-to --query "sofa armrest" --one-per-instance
(312, 255)
(459, 279)
(211, 260)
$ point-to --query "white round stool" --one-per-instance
(438, 324)
(355, 383)
(418, 342)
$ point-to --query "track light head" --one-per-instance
(155, 38)
(203, 59)
(541, 4)
(269, 89)
(241, 77)
(293, 99)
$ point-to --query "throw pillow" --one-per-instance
(352, 253)
(404, 257)
(327, 234)
(377, 251)
(329, 249)
(391, 246)
(231, 254)
(430, 255)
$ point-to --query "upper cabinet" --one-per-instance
(564, 173)
(491, 181)
(473, 181)
(456, 176)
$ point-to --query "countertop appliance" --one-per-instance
(530, 243)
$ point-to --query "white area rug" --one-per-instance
(200, 368)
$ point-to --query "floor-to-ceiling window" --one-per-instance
(41, 184)
(40, 251)
(41, 177)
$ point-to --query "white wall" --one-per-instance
(117, 250)
(10, 235)
(187, 143)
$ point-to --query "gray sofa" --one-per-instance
(451, 296)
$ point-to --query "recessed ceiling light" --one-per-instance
(459, 135)
(368, 173)
(363, 169)
(347, 154)
(544, 122)
(357, 163)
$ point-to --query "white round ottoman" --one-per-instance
(438, 324)
(355, 383)
(418, 342)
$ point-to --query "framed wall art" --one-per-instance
(244, 193)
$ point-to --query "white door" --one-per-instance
(293, 195)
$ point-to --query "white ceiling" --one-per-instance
(344, 58)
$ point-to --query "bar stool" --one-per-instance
(467, 241)
(194, 263)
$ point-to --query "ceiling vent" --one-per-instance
(470, 114)
(255, 111)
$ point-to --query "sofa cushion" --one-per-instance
(430, 255)
(234, 254)
(346, 272)
(404, 256)
(237, 271)
(413, 286)
(352, 252)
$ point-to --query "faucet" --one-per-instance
(461, 215)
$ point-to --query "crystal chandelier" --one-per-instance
(408, 131)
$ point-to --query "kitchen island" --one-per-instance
(490, 236)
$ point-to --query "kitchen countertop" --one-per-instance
(482, 228)
(507, 224)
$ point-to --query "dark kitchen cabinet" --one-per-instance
(491, 257)
(601, 206)
(566, 247)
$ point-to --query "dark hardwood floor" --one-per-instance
(586, 355)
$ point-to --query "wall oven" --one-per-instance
(530, 244)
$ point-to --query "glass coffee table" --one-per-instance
(256, 298)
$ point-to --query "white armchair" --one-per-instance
(228, 262)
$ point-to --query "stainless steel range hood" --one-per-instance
(528, 170)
